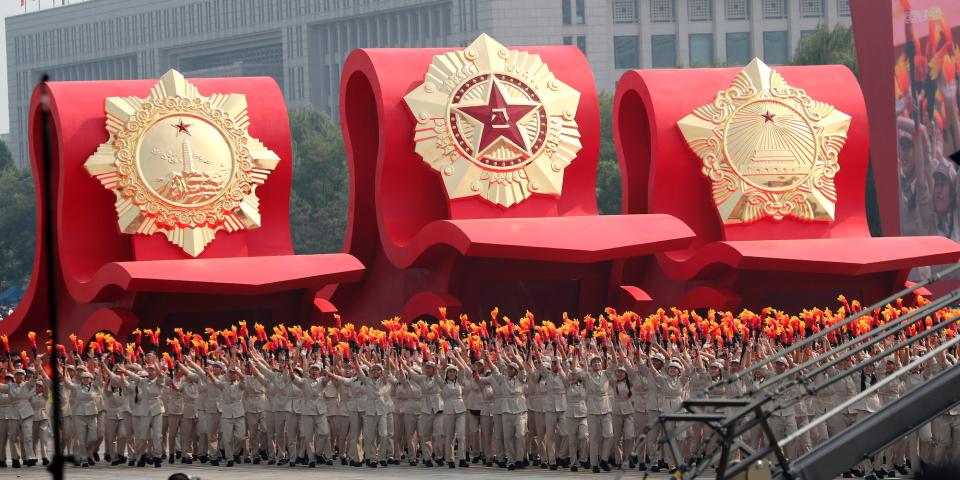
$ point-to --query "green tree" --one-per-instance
(837, 47)
(6, 158)
(319, 197)
(18, 224)
(608, 170)
(828, 47)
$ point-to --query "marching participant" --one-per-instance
(116, 433)
(575, 416)
(599, 409)
(232, 416)
(20, 417)
(6, 405)
(351, 400)
(624, 430)
(192, 403)
(894, 455)
(254, 407)
(454, 409)
(430, 421)
(314, 429)
(146, 410)
(473, 400)
(672, 386)
(40, 423)
(376, 409)
(208, 417)
(339, 423)
(406, 404)
(281, 420)
(173, 404)
(508, 382)
(85, 397)
(554, 405)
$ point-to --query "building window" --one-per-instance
(738, 9)
(626, 51)
(568, 40)
(701, 50)
(581, 12)
(738, 48)
(811, 8)
(699, 10)
(843, 6)
(582, 43)
(664, 51)
(806, 33)
(774, 8)
(625, 11)
(775, 48)
(565, 5)
(662, 10)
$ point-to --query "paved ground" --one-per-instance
(261, 472)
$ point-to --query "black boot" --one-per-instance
(463, 463)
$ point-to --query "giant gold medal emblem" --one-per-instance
(768, 149)
(495, 122)
(182, 164)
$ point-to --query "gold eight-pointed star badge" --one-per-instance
(182, 164)
(495, 122)
(768, 149)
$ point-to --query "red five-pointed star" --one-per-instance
(499, 119)
(181, 127)
(767, 117)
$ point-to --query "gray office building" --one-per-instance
(302, 43)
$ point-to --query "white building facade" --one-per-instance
(302, 43)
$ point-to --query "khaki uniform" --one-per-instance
(233, 429)
(188, 423)
(509, 393)
(376, 415)
(255, 409)
(146, 410)
(115, 428)
(86, 407)
(208, 417)
(554, 404)
(454, 419)
(40, 424)
(314, 429)
(283, 419)
(599, 414)
(575, 421)
(173, 403)
(20, 418)
(430, 423)
(406, 406)
(338, 420)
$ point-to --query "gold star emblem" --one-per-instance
(495, 122)
(189, 186)
(768, 149)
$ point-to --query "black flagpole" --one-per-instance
(47, 243)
